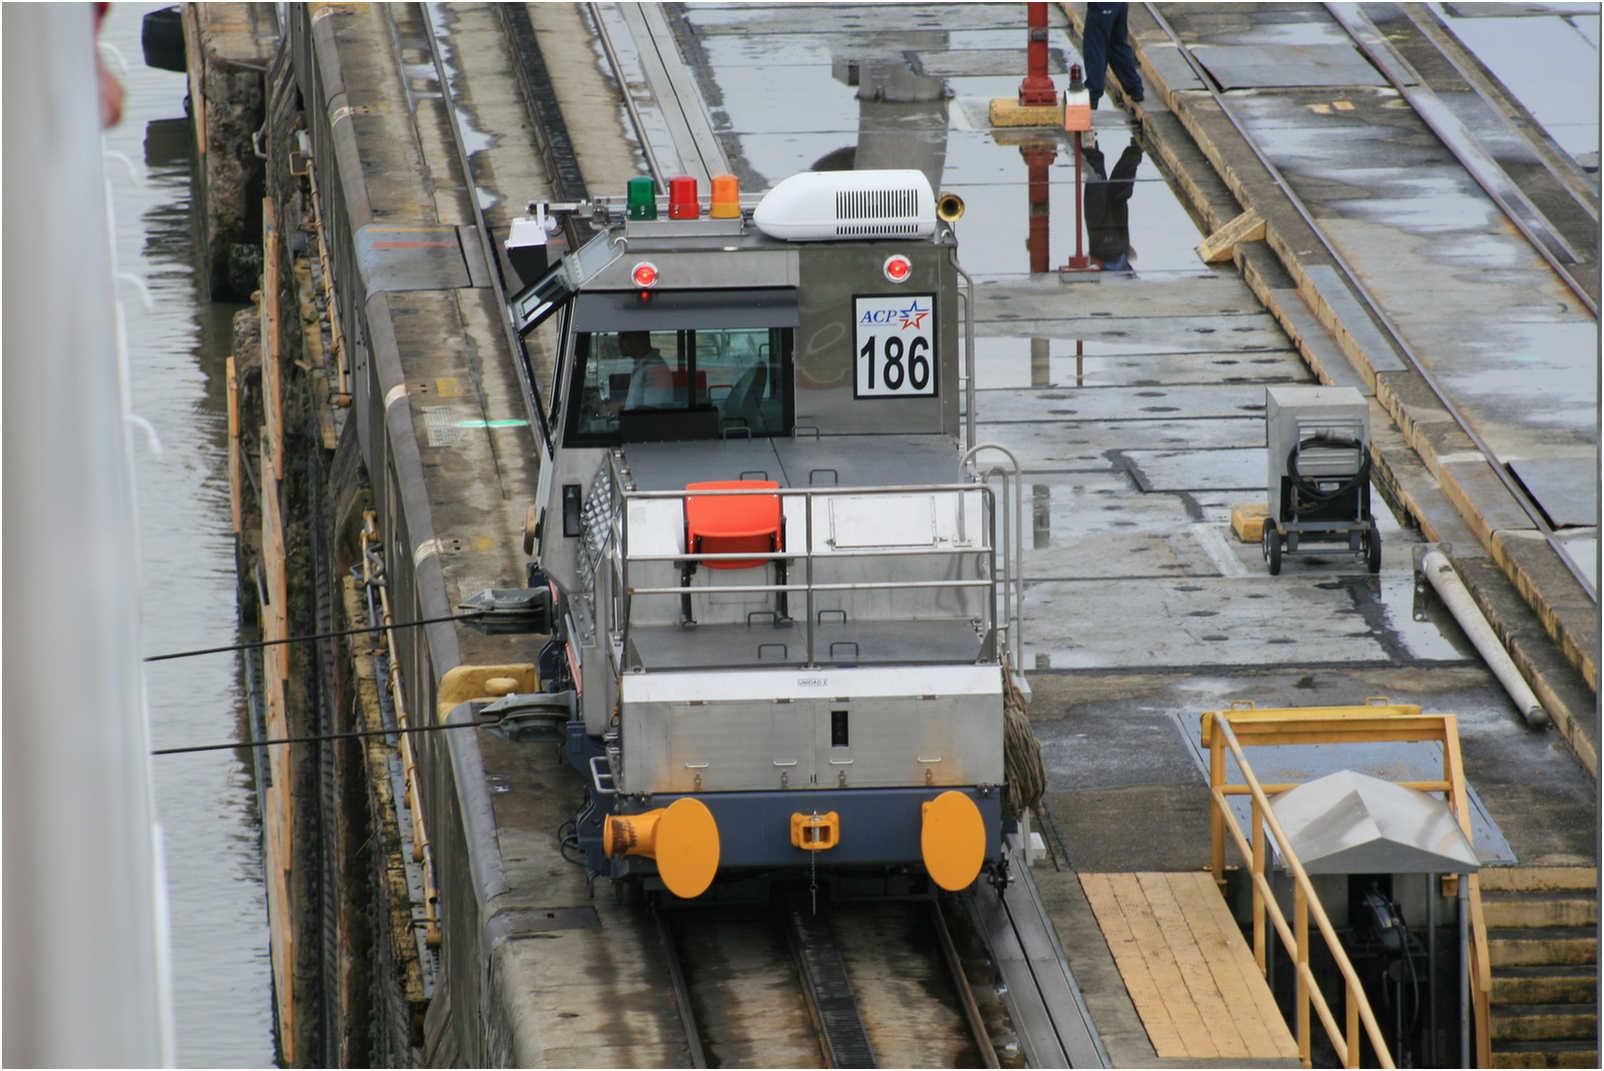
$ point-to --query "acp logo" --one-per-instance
(913, 315)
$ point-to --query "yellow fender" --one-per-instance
(952, 839)
(682, 838)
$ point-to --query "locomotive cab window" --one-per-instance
(655, 383)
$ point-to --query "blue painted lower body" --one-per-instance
(879, 826)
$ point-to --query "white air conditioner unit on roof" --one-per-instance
(825, 206)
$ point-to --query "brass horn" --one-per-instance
(949, 208)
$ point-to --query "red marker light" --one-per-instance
(897, 268)
(682, 203)
(645, 274)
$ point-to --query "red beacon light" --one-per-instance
(644, 275)
(682, 201)
(897, 268)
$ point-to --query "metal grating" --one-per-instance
(873, 213)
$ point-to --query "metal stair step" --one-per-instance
(1511, 909)
(1530, 878)
(1544, 1022)
(1545, 984)
(1527, 946)
(1546, 1054)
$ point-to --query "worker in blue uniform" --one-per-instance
(1106, 42)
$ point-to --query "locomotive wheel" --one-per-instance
(1272, 549)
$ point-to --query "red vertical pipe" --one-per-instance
(1037, 87)
(1080, 261)
(1038, 158)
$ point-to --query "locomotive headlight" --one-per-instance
(897, 268)
(645, 274)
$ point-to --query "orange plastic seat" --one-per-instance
(682, 377)
(728, 524)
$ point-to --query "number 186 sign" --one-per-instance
(896, 346)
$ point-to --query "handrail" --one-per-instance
(984, 543)
(1305, 902)
(1480, 959)
(1014, 550)
(1376, 721)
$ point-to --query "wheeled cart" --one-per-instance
(1317, 440)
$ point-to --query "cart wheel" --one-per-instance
(1272, 548)
(1373, 548)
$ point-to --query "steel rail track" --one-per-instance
(960, 982)
(682, 991)
(515, 347)
(1043, 1000)
(1517, 207)
(1556, 161)
(833, 1007)
(1507, 479)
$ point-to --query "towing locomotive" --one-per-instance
(777, 594)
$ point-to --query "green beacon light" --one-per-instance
(642, 198)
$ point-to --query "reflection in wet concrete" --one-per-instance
(1107, 199)
(1041, 516)
(902, 115)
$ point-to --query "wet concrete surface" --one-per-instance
(1142, 610)
(1136, 447)
(1525, 44)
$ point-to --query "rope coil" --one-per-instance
(1022, 762)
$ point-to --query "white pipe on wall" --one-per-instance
(1435, 565)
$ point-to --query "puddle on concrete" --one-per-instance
(786, 56)
(1011, 363)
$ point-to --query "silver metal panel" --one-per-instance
(1288, 408)
(670, 466)
(1287, 65)
(867, 460)
(835, 273)
(1565, 488)
(1351, 823)
(931, 740)
(691, 746)
(954, 681)
(718, 645)
(686, 747)
(710, 269)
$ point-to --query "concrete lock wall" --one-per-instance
(465, 1025)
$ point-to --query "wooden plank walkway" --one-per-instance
(1187, 967)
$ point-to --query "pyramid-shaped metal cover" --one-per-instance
(1351, 823)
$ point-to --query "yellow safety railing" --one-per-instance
(1379, 721)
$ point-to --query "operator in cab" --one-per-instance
(651, 384)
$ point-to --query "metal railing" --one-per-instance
(1013, 536)
(373, 578)
(1376, 722)
(989, 644)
